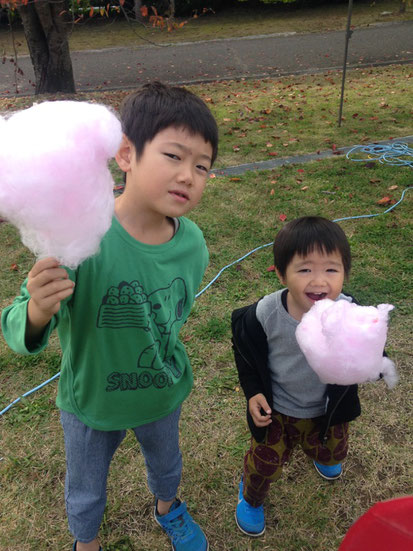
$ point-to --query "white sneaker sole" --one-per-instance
(329, 478)
(251, 534)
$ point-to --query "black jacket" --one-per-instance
(249, 343)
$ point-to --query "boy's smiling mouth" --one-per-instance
(316, 296)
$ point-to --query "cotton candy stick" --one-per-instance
(343, 342)
(55, 185)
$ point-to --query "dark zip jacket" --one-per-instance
(249, 343)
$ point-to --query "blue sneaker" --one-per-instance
(75, 547)
(250, 520)
(329, 472)
(185, 533)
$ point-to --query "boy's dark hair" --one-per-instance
(304, 235)
(157, 106)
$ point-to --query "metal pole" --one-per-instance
(348, 36)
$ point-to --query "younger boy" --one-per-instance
(287, 403)
(119, 314)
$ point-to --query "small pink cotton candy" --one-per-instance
(344, 342)
(55, 185)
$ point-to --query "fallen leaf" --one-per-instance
(392, 188)
(304, 188)
(14, 267)
(212, 176)
(384, 201)
(283, 217)
(272, 192)
(235, 179)
(272, 153)
(375, 181)
(271, 268)
(300, 170)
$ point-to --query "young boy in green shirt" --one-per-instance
(118, 315)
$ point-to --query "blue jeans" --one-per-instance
(88, 456)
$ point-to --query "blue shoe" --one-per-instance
(250, 520)
(329, 472)
(185, 533)
(74, 547)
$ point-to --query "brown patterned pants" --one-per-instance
(264, 461)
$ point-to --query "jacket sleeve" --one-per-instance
(250, 347)
(247, 374)
(249, 343)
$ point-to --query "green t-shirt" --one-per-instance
(123, 364)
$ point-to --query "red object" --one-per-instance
(386, 526)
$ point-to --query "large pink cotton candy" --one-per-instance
(344, 342)
(55, 185)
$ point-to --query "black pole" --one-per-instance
(348, 36)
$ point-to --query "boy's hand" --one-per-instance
(48, 285)
(255, 405)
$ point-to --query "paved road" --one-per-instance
(259, 56)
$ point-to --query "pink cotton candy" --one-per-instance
(55, 185)
(344, 342)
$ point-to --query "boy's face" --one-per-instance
(170, 175)
(311, 278)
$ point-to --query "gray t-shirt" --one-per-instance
(296, 388)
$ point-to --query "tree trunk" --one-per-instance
(46, 36)
(402, 8)
(137, 4)
(172, 9)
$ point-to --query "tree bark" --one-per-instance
(172, 9)
(137, 4)
(46, 36)
(402, 8)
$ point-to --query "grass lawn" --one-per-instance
(236, 215)
(99, 32)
